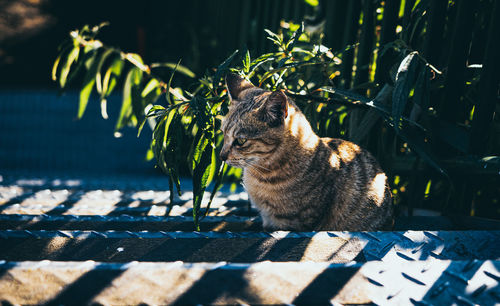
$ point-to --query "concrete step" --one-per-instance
(232, 222)
(418, 283)
(110, 241)
(127, 223)
(335, 247)
(115, 196)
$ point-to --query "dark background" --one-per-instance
(200, 33)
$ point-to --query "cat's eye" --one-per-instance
(240, 141)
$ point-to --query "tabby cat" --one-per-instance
(297, 180)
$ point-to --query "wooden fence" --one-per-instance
(459, 38)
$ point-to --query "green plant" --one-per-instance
(307, 70)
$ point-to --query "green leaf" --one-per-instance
(78, 67)
(98, 77)
(63, 54)
(72, 57)
(259, 61)
(165, 146)
(246, 62)
(199, 144)
(201, 175)
(150, 86)
(95, 29)
(88, 84)
(109, 82)
(284, 67)
(312, 2)
(222, 69)
(132, 80)
(55, 66)
(156, 110)
(421, 93)
(295, 38)
(218, 184)
(283, 61)
(405, 79)
(182, 69)
(346, 94)
(111, 77)
(151, 92)
(141, 126)
(167, 94)
(137, 101)
(271, 73)
(275, 38)
(135, 58)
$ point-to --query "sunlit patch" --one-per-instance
(334, 161)
(376, 190)
(8, 193)
(56, 245)
(154, 197)
(319, 249)
(258, 277)
(347, 151)
(294, 125)
(310, 141)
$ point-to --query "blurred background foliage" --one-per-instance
(414, 82)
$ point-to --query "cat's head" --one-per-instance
(254, 125)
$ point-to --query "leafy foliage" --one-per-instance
(307, 70)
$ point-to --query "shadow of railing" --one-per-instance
(230, 283)
(85, 288)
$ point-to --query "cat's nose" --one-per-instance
(223, 155)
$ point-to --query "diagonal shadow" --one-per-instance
(455, 277)
(63, 207)
(4, 269)
(125, 202)
(325, 286)
(85, 288)
(16, 200)
(215, 284)
(287, 248)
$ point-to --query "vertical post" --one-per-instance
(488, 87)
(264, 42)
(435, 31)
(365, 43)
(451, 107)
(246, 10)
(350, 33)
(388, 34)
(335, 23)
(407, 12)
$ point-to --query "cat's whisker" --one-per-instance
(259, 172)
(260, 166)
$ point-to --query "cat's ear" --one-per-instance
(275, 109)
(235, 85)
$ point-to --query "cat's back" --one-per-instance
(362, 195)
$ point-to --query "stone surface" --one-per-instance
(440, 283)
(108, 240)
(335, 247)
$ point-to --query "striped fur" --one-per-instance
(297, 180)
